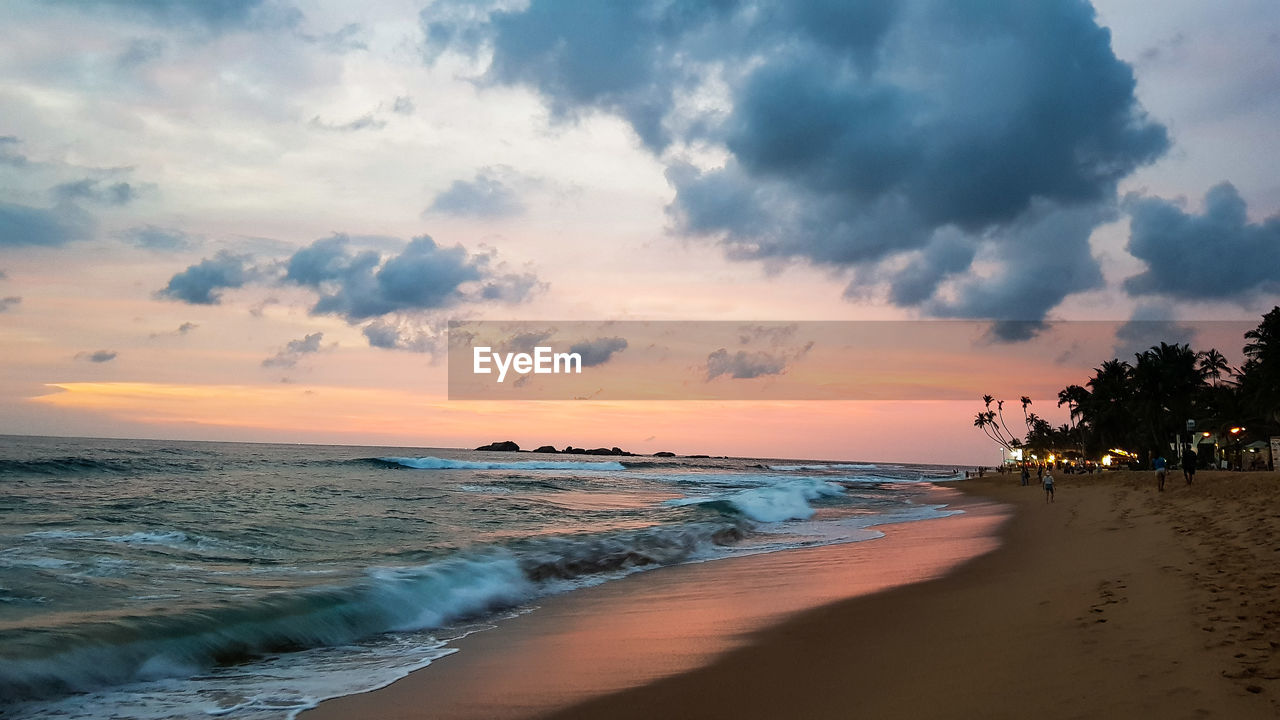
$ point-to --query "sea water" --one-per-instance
(157, 579)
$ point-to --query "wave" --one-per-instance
(47, 662)
(787, 500)
(435, 463)
(76, 465)
(175, 539)
(827, 466)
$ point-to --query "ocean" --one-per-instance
(158, 579)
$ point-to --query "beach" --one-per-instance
(1112, 601)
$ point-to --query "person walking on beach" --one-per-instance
(1159, 465)
(1026, 476)
(1189, 464)
(1048, 487)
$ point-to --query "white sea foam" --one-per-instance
(58, 534)
(786, 500)
(435, 463)
(490, 489)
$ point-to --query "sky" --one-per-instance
(254, 219)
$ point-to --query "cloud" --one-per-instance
(9, 302)
(97, 356)
(486, 196)
(214, 15)
(743, 365)
(21, 225)
(773, 335)
(599, 350)
(364, 122)
(1040, 259)
(610, 56)
(360, 285)
(1151, 324)
(866, 137)
(200, 284)
(525, 342)
(151, 237)
(121, 193)
(1216, 255)
(403, 105)
(294, 350)
(182, 329)
(343, 40)
(140, 52)
(8, 153)
(403, 334)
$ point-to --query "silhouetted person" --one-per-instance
(1189, 464)
(1159, 465)
(1048, 488)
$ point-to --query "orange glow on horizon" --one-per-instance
(835, 430)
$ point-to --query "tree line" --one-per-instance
(1143, 406)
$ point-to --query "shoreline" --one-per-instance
(1114, 601)
(663, 623)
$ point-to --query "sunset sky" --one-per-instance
(253, 219)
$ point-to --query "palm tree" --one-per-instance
(1260, 374)
(1213, 364)
(1166, 383)
(1075, 398)
(1107, 410)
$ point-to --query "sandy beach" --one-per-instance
(1113, 601)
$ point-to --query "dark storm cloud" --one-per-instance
(359, 285)
(294, 350)
(21, 225)
(121, 193)
(200, 284)
(613, 56)
(9, 302)
(485, 196)
(215, 15)
(151, 237)
(1043, 258)
(1216, 255)
(598, 351)
(97, 356)
(743, 365)
(947, 254)
(1150, 325)
(873, 136)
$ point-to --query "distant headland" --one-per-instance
(510, 446)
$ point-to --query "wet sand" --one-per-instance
(1113, 601)
(664, 622)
